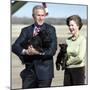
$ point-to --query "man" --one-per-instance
(38, 70)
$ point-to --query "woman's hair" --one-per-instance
(75, 18)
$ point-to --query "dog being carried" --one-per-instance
(62, 57)
(40, 41)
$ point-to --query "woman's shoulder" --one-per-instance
(69, 38)
(82, 37)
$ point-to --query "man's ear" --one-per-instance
(33, 16)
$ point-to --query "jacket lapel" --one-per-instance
(43, 27)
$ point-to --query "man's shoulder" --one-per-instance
(49, 25)
(28, 27)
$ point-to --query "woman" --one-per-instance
(75, 71)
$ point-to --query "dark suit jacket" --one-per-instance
(43, 63)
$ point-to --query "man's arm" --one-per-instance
(16, 47)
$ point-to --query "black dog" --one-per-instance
(62, 57)
(36, 43)
(40, 41)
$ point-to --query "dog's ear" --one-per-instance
(66, 45)
(29, 42)
(60, 45)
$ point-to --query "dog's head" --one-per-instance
(45, 37)
(63, 47)
(36, 42)
(44, 34)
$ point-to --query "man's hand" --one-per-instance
(32, 51)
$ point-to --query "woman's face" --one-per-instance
(73, 27)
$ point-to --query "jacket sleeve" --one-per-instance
(16, 47)
(53, 46)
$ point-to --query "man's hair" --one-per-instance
(37, 7)
(76, 18)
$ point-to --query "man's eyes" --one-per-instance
(40, 15)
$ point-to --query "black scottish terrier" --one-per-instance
(62, 57)
(40, 41)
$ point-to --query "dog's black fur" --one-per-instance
(36, 43)
(40, 41)
(62, 57)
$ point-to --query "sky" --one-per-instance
(56, 10)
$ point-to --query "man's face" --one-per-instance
(39, 16)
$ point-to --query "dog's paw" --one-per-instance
(57, 66)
